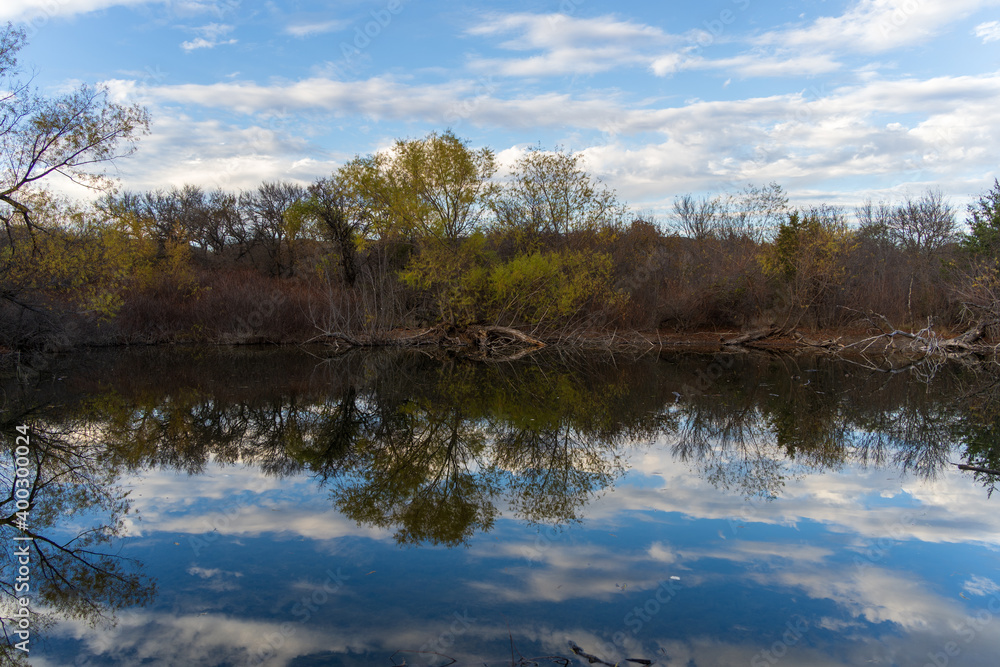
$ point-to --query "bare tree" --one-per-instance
(697, 218)
(73, 135)
(266, 209)
(923, 225)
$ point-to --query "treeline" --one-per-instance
(429, 233)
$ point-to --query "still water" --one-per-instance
(276, 507)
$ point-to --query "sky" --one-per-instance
(835, 101)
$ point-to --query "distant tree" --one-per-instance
(923, 225)
(267, 210)
(339, 217)
(697, 218)
(874, 222)
(753, 214)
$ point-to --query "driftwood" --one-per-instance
(973, 334)
(487, 342)
(743, 339)
(926, 342)
(829, 344)
(513, 333)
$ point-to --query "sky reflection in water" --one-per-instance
(793, 512)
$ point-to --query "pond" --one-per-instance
(279, 507)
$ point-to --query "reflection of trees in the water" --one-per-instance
(431, 447)
(977, 428)
(436, 448)
(754, 427)
(76, 514)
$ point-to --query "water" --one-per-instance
(273, 507)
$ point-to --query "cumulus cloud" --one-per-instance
(979, 585)
(799, 139)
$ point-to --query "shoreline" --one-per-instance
(494, 343)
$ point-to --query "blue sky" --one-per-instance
(836, 101)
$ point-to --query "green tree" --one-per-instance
(432, 193)
(431, 188)
(444, 180)
(806, 259)
(550, 195)
(983, 218)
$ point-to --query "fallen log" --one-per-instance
(750, 337)
(337, 335)
(972, 335)
(825, 344)
(513, 333)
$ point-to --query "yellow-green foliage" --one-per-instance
(552, 285)
(81, 259)
(808, 256)
(808, 246)
(453, 273)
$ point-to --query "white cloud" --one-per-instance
(278, 505)
(988, 32)
(208, 573)
(939, 131)
(756, 65)
(37, 11)
(874, 26)
(211, 35)
(310, 29)
(979, 585)
(569, 45)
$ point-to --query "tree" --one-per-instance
(697, 218)
(874, 221)
(267, 209)
(806, 259)
(431, 188)
(753, 214)
(983, 218)
(550, 195)
(446, 181)
(924, 225)
(339, 217)
(73, 135)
